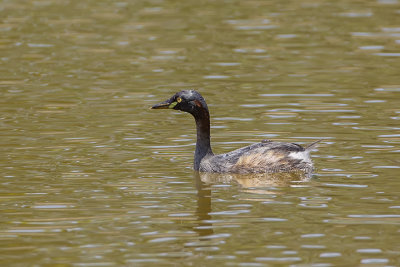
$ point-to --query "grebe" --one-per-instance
(265, 157)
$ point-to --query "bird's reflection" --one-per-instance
(203, 228)
(259, 184)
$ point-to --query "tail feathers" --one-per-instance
(312, 145)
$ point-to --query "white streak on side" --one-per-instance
(303, 155)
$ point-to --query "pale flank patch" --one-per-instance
(302, 155)
(260, 159)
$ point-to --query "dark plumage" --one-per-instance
(264, 157)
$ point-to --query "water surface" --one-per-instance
(92, 177)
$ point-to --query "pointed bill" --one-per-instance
(164, 105)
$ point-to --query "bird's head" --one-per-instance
(187, 100)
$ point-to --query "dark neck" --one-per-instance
(203, 146)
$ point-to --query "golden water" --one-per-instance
(91, 177)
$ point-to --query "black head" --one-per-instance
(186, 100)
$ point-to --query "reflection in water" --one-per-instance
(204, 197)
(203, 207)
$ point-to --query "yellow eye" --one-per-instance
(179, 100)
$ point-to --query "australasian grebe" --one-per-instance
(264, 157)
